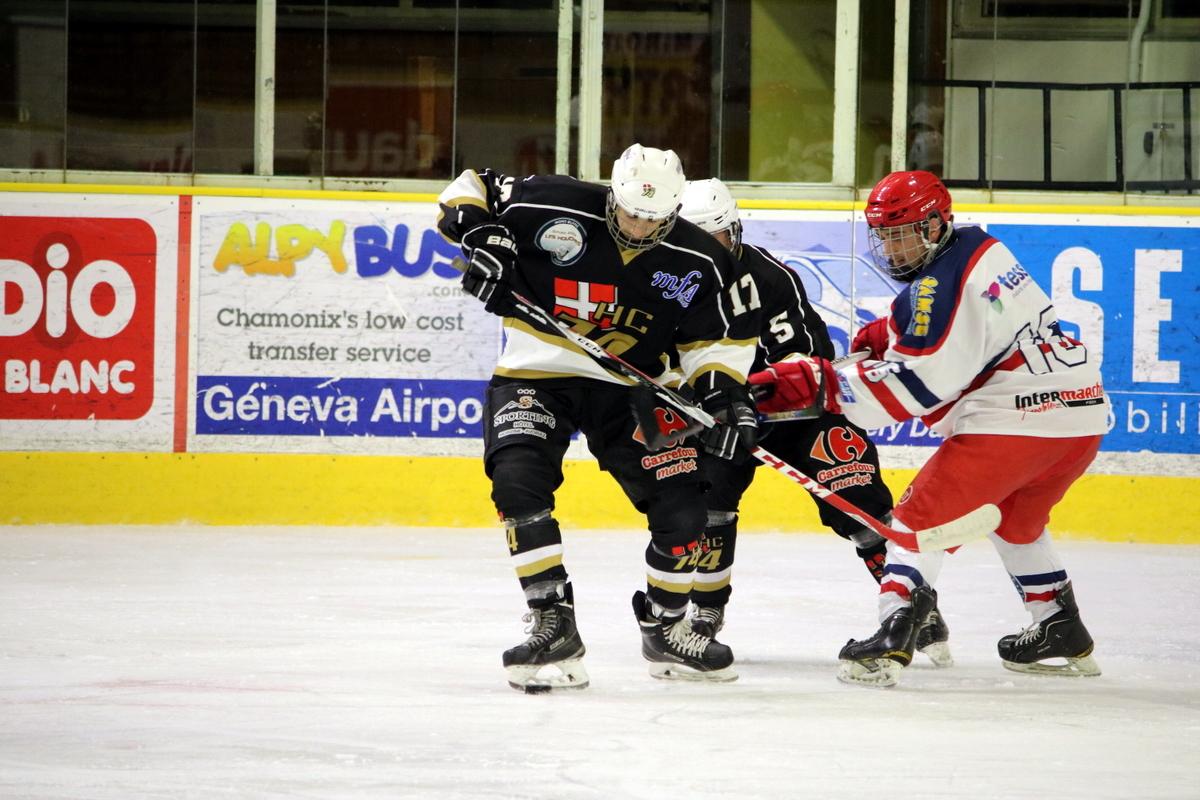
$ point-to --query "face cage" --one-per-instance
(735, 236)
(626, 242)
(916, 253)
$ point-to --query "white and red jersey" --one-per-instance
(974, 346)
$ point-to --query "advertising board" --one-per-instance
(1119, 284)
(87, 321)
(334, 327)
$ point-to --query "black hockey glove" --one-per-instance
(491, 256)
(736, 430)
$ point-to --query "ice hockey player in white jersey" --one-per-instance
(972, 346)
(619, 266)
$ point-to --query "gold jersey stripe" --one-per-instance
(675, 587)
(539, 566)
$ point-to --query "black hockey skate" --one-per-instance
(877, 661)
(552, 656)
(708, 620)
(1060, 636)
(676, 651)
(933, 639)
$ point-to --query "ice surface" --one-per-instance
(182, 662)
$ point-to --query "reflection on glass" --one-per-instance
(33, 40)
(129, 95)
(507, 73)
(791, 91)
(370, 90)
(300, 88)
(225, 50)
(657, 82)
(877, 35)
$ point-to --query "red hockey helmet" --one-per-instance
(907, 197)
(899, 210)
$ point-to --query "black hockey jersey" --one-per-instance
(675, 296)
(789, 324)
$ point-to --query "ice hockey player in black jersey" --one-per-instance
(621, 268)
(829, 448)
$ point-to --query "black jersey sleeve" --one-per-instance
(473, 199)
(789, 324)
(716, 344)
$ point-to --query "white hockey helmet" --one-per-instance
(709, 205)
(647, 184)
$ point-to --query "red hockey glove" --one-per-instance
(796, 385)
(872, 338)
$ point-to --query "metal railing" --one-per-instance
(1188, 184)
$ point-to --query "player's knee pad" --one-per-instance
(718, 519)
(719, 537)
(865, 538)
(523, 481)
(677, 519)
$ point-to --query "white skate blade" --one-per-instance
(939, 654)
(1082, 667)
(536, 679)
(879, 673)
(678, 672)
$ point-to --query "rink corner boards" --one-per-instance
(287, 489)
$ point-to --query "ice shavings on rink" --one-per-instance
(180, 662)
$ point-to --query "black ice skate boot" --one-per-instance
(933, 639)
(877, 661)
(552, 656)
(1059, 636)
(707, 620)
(676, 651)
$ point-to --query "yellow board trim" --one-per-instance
(427, 197)
(220, 191)
(276, 489)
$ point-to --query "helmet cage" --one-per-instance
(904, 250)
(624, 240)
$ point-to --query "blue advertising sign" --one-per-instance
(253, 405)
(1122, 289)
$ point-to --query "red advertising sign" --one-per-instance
(76, 317)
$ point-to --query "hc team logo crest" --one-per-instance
(647, 190)
(582, 300)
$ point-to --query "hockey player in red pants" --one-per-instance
(972, 346)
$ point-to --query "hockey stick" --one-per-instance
(956, 532)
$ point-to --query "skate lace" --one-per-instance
(709, 614)
(542, 625)
(1029, 634)
(686, 641)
